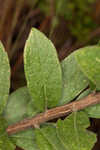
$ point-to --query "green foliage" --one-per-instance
(50, 84)
(74, 81)
(76, 12)
(3, 126)
(25, 140)
(5, 141)
(92, 111)
(6, 144)
(43, 71)
(88, 59)
(4, 78)
(17, 105)
(46, 138)
(75, 125)
(68, 134)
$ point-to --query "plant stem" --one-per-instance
(53, 113)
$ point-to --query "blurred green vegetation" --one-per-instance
(77, 13)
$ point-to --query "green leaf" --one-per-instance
(47, 139)
(25, 140)
(4, 78)
(17, 106)
(43, 71)
(74, 81)
(91, 111)
(69, 134)
(3, 125)
(6, 144)
(72, 132)
(31, 110)
(84, 94)
(89, 62)
(5, 141)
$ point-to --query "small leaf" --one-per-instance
(4, 78)
(16, 108)
(72, 132)
(74, 80)
(89, 62)
(25, 140)
(5, 141)
(43, 71)
(47, 139)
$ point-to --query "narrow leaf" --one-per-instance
(4, 78)
(43, 71)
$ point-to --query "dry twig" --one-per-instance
(53, 113)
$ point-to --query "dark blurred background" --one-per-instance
(70, 24)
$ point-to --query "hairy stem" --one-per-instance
(53, 113)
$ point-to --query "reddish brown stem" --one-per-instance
(55, 113)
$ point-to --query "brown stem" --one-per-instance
(55, 113)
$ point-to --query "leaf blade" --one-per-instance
(88, 59)
(4, 78)
(72, 132)
(25, 140)
(5, 141)
(18, 105)
(74, 81)
(43, 71)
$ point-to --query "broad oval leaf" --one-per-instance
(4, 78)
(88, 59)
(17, 106)
(72, 132)
(43, 71)
(74, 81)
